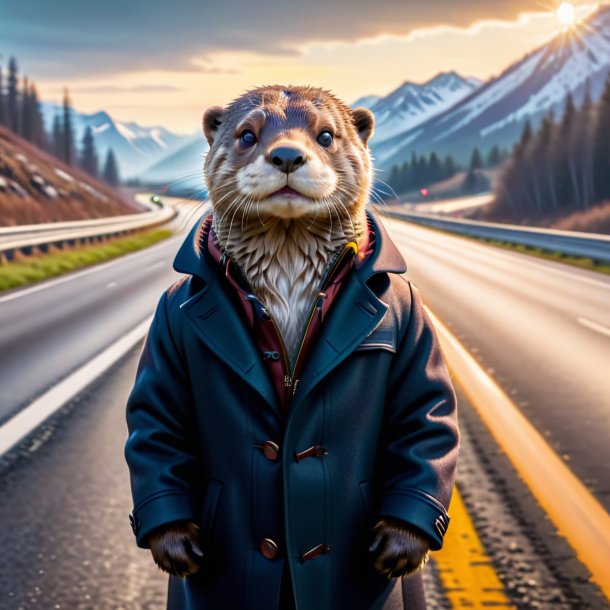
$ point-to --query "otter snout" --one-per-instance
(286, 158)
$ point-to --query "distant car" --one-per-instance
(156, 200)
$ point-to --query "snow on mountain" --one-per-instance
(412, 103)
(496, 112)
(135, 147)
(367, 101)
(182, 168)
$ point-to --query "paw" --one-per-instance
(175, 548)
(399, 548)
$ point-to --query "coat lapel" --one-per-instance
(216, 322)
(354, 315)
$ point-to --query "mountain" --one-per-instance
(135, 147)
(36, 187)
(183, 168)
(496, 112)
(412, 103)
(366, 101)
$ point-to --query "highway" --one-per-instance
(540, 329)
(51, 328)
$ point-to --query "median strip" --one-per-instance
(574, 511)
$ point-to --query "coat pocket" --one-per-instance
(382, 337)
(210, 508)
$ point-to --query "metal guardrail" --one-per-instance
(572, 243)
(26, 238)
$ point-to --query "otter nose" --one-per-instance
(286, 158)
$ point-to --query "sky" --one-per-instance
(162, 63)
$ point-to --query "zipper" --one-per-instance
(289, 381)
(349, 246)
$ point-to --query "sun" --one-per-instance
(566, 15)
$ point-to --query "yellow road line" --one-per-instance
(468, 577)
(576, 514)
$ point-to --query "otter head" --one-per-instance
(288, 152)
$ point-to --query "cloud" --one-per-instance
(74, 39)
(119, 89)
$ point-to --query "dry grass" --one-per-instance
(594, 220)
(35, 187)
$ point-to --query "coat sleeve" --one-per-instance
(160, 448)
(421, 435)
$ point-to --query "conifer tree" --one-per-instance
(12, 96)
(67, 131)
(88, 160)
(2, 102)
(111, 170)
(601, 147)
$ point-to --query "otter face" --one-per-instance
(289, 152)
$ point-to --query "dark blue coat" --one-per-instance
(375, 394)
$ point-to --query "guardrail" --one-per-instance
(27, 238)
(572, 243)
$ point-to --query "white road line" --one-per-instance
(24, 422)
(594, 326)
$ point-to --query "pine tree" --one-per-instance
(601, 147)
(449, 167)
(39, 134)
(12, 96)
(57, 138)
(88, 160)
(111, 170)
(67, 131)
(476, 161)
(564, 162)
(25, 124)
(2, 103)
(494, 159)
(434, 168)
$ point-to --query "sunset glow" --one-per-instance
(566, 15)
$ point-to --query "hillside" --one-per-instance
(35, 187)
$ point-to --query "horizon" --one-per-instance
(174, 97)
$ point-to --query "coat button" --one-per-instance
(268, 548)
(271, 450)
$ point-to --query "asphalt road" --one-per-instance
(542, 329)
(50, 329)
(64, 494)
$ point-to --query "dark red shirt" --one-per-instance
(265, 332)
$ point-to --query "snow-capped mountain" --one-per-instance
(183, 168)
(412, 103)
(135, 147)
(496, 112)
(367, 101)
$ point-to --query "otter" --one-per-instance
(289, 175)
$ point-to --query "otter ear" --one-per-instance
(212, 118)
(364, 120)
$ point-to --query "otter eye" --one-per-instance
(325, 138)
(247, 138)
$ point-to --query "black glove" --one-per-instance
(399, 548)
(175, 548)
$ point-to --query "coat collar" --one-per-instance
(191, 258)
(216, 321)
